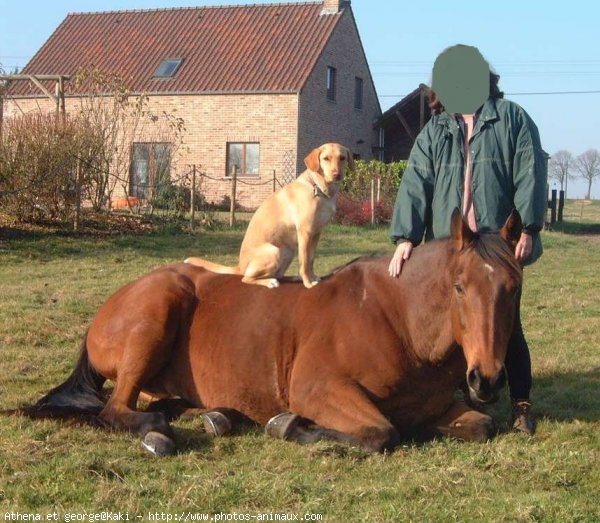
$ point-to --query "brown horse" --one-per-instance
(362, 358)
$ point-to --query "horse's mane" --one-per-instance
(492, 248)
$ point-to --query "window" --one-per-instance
(167, 68)
(358, 93)
(150, 169)
(331, 73)
(244, 158)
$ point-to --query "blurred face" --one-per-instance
(461, 79)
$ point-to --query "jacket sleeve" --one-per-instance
(412, 210)
(530, 173)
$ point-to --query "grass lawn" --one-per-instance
(51, 285)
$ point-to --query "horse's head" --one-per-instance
(486, 278)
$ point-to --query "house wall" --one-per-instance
(322, 120)
(210, 122)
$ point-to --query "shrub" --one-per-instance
(354, 204)
(354, 212)
(39, 157)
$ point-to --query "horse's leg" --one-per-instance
(342, 412)
(464, 423)
(217, 422)
(144, 355)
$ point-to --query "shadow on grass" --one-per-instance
(568, 396)
(577, 228)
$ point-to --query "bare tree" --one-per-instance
(561, 163)
(588, 166)
(118, 117)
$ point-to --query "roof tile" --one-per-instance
(249, 48)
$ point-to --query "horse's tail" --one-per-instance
(213, 267)
(79, 395)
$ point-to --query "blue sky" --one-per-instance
(536, 47)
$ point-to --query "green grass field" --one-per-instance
(51, 285)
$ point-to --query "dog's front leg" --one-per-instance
(305, 259)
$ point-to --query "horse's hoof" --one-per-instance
(158, 444)
(216, 423)
(282, 425)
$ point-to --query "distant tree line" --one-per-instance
(564, 166)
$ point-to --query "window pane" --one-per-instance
(252, 158)
(162, 155)
(234, 158)
(331, 73)
(140, 170)
(168, 68)
(358, 93)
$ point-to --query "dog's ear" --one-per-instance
(350, 159)
(312, 160)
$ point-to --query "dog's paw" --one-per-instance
(272, 283)
(312, 283)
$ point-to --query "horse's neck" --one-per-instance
(425, 291)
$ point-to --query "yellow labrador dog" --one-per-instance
(290, 221)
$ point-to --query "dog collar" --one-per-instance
(317, 191)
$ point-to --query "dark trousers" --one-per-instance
(518, 360)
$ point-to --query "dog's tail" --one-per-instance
(80, 395)
(213, 267)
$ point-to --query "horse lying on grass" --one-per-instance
(362, 358)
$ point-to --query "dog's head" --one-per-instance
(330, 161)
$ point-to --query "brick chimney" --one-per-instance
(333, 7)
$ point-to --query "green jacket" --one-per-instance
(509, 171)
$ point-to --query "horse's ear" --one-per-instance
(460, 231)
(511, 230)
(312, 160)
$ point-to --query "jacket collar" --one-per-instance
(487, 113)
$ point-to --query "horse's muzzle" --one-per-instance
(482, 389)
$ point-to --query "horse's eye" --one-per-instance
(460, 290)
(326, 158)
(342, 158)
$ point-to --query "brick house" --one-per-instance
(258, 86)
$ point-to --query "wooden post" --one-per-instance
(372, 201)
(233, 195)
(561, 205)
(274, 181)
(78, 183)
(61, 97)
(193, 199)
(378, 186)
(553, 208)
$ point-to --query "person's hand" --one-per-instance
(524, 247)
(401, 254)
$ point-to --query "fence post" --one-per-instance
(193, 199)
(233, 193)
(553, 208)
(78, 172)
(372, 201)
(561, 205)
(274, 181)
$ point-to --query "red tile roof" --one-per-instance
(249, 48)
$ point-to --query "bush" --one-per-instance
(353, 212)
(39, 156)
(354, 204)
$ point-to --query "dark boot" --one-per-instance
(522, 418)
